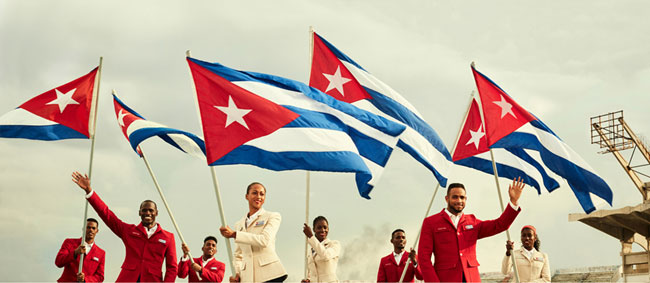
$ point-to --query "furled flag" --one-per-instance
(510, 126)
(280, 124)
(337, 75)
(60, 113)
(136, 129)
(471, 151)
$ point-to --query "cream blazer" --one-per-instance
(535, 269)
(322, 262)
(255, 257)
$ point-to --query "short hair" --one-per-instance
(392, 235)
(319, 218)
(455, 185)
(252, 184)
(93, 220)
(210, 238)
(151, 201)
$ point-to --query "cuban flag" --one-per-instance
(136, 129)
(336, 74)
(281, 124)
(510, 127)
(471, 150)
(59, 113)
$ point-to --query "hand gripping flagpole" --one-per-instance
(496, 179)
(93, 126)
(222, 214)
(162, 196)
(417, 238)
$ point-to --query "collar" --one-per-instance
(255, 215)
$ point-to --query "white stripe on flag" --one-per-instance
(188, 145)
(305, 139)
(21, 116)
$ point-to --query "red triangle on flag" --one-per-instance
(501, 113)
(231, 115)
(329, 75)
(68, 105)
(471, 140)
(124, 117)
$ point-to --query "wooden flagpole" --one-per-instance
(308, 176)
(496, 179)
(162, 196)
(222, 214)
(93, 126)
(417, 238)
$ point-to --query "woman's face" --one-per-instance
(321, 229)
(256, 196)
(528, 238)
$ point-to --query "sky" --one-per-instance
(563, 61)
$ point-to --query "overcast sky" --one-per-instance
(565, 61)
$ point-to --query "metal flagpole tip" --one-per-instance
(473, 65)
(188, 54)
(114, 92)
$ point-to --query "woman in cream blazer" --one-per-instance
(532, 264)
(323, 256)
(255, 257)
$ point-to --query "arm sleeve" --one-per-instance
(327, 253)
(239, 258)
(425, 250)
(546, 271)
(209, 275)
(65, 254)
(506, 264)
(418, 272)
(170, 261)
(263, 239)
(115, 224)
(492, 227)
(183, 268)
(381, 274)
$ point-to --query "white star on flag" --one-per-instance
(63, 99)
(506, 108)
(476, 136)
(336, 81)
(234, 114)
(120, 117)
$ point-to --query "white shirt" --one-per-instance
(398, 257)
(455, 219)
(89, 246)
(203, 263)
(527, 253)
(249, 219)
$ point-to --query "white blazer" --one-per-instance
(322, 259)
(255, 257)
(535, 269)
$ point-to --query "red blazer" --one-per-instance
(455, 249)
(212, 271)
(144, 256)
(93, 268)
(389, 271)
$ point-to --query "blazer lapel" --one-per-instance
(402, 261)
(445, 216)
(252, 224)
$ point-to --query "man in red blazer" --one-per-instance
(147, 244)
(69, 255)
(451, 236)
(389, 270)
(204, 268)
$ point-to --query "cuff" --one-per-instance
(90, 194)
(515, 207)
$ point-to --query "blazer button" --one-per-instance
(461, 254)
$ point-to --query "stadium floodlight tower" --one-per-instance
(630, 224)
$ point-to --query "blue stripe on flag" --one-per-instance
(549, 183)
(139, 135)
(505, 171)
(44, 133)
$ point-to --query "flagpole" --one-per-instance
(93, 111)
(417, 238)
(223, 217)
(496, 179)
(162, 196)
(308, 177)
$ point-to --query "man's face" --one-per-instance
(91, 230)
(456, 200)
(256, 196)
(148, 213)
(209, 248)
(398, 240)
